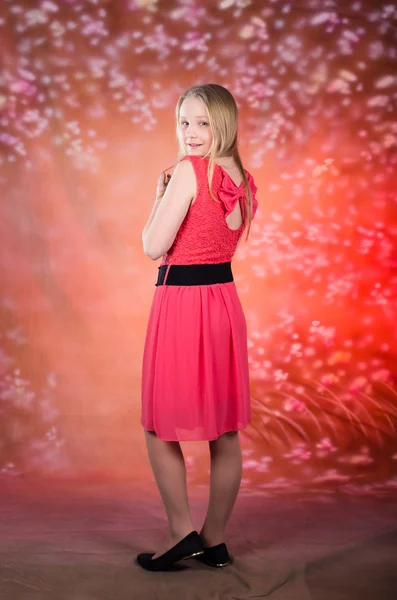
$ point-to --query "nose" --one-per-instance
(190, 131)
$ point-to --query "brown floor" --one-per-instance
(78, 541)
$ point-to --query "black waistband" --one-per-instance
(195, 274)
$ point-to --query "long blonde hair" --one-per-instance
(223, 117)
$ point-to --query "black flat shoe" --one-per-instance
(216, 556)
(191, 546)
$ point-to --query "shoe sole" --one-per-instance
(218, 566)
(193, 555)
(212, 564)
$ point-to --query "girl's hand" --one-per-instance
(162, 185)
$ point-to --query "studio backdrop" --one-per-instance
(87, 104)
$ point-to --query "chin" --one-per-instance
(196, 152)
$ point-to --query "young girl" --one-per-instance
(195, 382)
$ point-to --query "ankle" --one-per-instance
(212, 537)
(180, 532)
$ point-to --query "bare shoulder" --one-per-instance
(185, 169)
(184, 178)
(182, 184)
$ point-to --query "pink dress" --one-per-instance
(195, 379)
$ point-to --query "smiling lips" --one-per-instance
(195, 145)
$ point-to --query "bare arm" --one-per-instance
(169, 211)
(154, 210)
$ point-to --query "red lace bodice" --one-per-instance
(204, 237)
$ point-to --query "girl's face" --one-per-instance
(194, 131)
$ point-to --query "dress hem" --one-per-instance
(201, 439)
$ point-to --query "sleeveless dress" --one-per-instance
(195, 378)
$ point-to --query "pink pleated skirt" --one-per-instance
(195, 378)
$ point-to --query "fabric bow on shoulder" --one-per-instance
(230, 193)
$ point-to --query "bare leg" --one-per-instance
(226, 472)
(168, 466)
